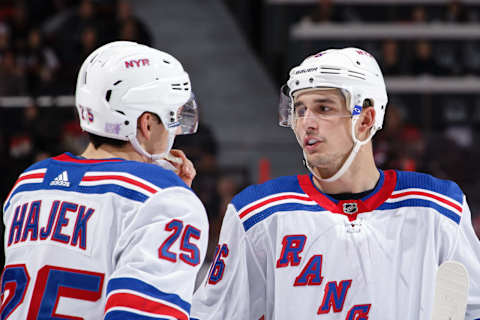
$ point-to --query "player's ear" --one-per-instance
(366, 120)
(144, 126)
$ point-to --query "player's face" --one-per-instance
(322, 125)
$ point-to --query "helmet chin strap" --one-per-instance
(158, 158)
(356, 147)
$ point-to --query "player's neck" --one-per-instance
(105, 152)
(362, 175)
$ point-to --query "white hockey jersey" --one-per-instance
(101, 239)
(288, 251)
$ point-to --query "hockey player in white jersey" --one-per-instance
(347, 241)
(111, 234)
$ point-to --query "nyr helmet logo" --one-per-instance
(350, 208)
(137, 63)
(364, 53)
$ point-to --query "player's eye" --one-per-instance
(300, 111)
(324, 109)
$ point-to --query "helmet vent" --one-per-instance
(356, 74)
(93, 58)
(329, 70)
(108, 95)
(166, 61)
(180, 86)
(117, 82)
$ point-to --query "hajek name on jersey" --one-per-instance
(25, 224)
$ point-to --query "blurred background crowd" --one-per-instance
(432, 122)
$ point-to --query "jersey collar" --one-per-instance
(68, 157)
(351, 208)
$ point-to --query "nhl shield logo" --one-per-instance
(350, 208)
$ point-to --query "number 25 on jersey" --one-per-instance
(190, 253)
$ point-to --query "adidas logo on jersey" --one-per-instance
(61, 180)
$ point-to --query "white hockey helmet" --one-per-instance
(355, 72)
(121, 80)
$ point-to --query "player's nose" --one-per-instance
(309, 120)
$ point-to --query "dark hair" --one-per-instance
(98, 141)
(367, 103)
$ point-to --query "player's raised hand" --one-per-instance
(183, 166)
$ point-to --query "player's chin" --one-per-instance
(317, 160)
(312, 161)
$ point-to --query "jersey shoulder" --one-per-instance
(152, 173)
(407, 180)
(261, 202)
(415, 189)
(128, 179)
(272, 188)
